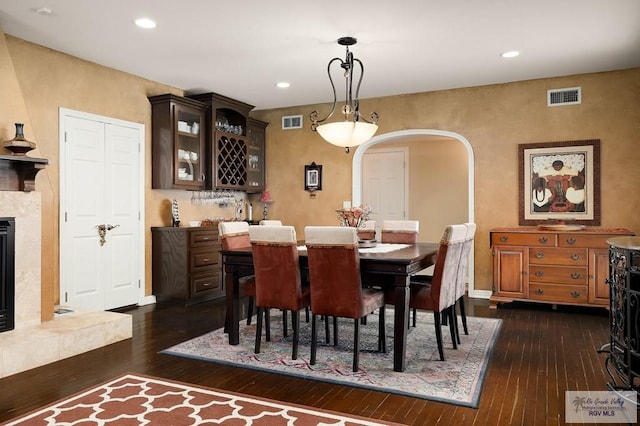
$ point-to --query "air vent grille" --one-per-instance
(292, 122)
(568, 96)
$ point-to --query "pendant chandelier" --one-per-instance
(355, 129)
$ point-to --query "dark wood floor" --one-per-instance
(540, 354)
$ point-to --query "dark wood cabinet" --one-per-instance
(186, 264)
(178, 143)
(235, 144)
(551, 267)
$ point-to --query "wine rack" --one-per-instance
(231, 161)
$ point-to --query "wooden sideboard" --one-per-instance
(557, 267)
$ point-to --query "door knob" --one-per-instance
(102, 232)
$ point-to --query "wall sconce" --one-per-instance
(355, 129)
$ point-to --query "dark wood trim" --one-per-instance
(18, 172)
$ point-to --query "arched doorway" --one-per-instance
(356, 193)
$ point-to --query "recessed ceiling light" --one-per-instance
(44, 11)
(145, 23)
(282, 84)
(510, 54)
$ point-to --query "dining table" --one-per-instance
(393, 268)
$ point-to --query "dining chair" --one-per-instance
(439, 295)
(336, 285)
(463, 270)
(236, 235)
(367, 231)
(400, 231)
(278, 282)
(271, 222)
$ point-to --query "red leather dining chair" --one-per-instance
(278, 282)
(236, 235)
(400, 231)
(336, 285)
(439, 295)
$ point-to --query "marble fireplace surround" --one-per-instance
(34, 343)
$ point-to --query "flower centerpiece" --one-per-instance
(354, 216)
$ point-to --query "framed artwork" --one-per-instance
(559, 181)
(313, 177)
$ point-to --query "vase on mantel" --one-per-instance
(19, 145)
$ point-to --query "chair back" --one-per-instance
(271, 222)
(367, 231)
(276, 267)
(463, 268)
(400, 231)
(234, 235)
(334, 271)
(445, 273)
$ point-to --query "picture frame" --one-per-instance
(559, 182)
(313, 177)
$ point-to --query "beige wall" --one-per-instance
(36, 82)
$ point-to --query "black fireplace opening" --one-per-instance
(7, 273)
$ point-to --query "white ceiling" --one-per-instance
(242, 48)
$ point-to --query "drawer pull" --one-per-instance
(571, 240)
(543, 240)
(539, 291)
(576, 275)
(504, 238)
(539, 273)
(575, 294)
(575, 256)
(206, 284)
(539, 255)
(205, 259)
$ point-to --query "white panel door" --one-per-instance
(384, 184)
(101, 187)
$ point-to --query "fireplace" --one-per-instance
(7, 273)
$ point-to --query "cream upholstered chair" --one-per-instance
(463, 270)
(271, 222)
(400, 231)
(278, 282)
(236, 235)
(336, 285)
(439, 295)
(367, 231)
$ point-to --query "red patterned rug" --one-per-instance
(133, 400)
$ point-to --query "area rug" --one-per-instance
(133, 400)
(457, 380)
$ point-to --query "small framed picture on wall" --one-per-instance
(313, 177)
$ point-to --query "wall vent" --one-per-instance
(291, 122)
(568, 96)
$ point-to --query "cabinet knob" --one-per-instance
(575, 256)
(576, 275)
(539, 291)
(504, 238)
(571, 240)
(539, 273)
(543, 240)
(575, 294)
(539, 255)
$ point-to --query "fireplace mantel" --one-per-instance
(18, 172)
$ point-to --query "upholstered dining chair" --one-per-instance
(400, 231)
(278, 282)
(271, 222)
(336, 285)
(367, 231)
(439, 295)
(236, 235)
(463, 270)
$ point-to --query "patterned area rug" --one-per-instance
(457, 380)
(134, 400)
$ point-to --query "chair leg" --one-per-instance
(454, 320)
(251, 302)
(295, 321)
(415, 316)
(463, 315)
(382, 332)
(285, 328)
(326, 330)
(314, 336)
(267, 320)
(335, 331)
(356, 344)
(306, 314)
(450, 312)
(258, 331)
(436, 320)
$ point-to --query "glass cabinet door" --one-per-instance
(189, 147)
(255, 156)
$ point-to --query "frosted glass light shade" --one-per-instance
(347, 133)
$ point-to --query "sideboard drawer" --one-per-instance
(558, 256)
(558, 293)
(558, 274)
(590, 241)
(513, 239)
